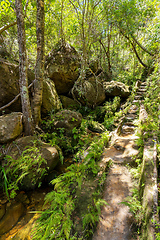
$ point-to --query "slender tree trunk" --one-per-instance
(23, 81)
(39, 69)
(140, 45)
(134, 49)
(108, 57)
(138, 57)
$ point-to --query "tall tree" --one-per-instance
(39, 69)
(23, 81)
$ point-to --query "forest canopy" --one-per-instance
(84, 24)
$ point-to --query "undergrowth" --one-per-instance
(62, 217)
(28, 167)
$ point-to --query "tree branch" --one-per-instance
(2, 29)
(134, 48)
(139, 44)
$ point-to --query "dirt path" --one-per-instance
(116, 221)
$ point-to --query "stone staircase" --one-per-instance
(116, 221)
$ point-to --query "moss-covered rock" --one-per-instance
(62, 65)
(50, 99)
(66, 120)
(89, 92)
(34, 158)
(10, 126)
(114, 88)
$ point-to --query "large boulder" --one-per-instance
(9, 88)
(62, 65)
(50, 98)
(114, 88)
(9, 84)
(67, 120)
(34, 149)
(10, 126)
(89, 92)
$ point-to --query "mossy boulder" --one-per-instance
(9, 89)
(89, 92)
(50, 98)
(9, 84)
(62, 65)
(67, 120)
(114, 88)
(10, 126)
(42, 158)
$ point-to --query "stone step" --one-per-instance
(135, 101)
(126, 129)
(143, 84)
(129, 124)
(138, 97)
(132, 111)
(130, 117)
(142, 90)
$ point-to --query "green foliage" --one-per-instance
(57, 221)
(135, 206)
(4, 181)
(29, 163)
(5, 7)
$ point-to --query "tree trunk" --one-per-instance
(108, 57)
(140, 45)
(23, 81)
(39, 69)
(134, 48)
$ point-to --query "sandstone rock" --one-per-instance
(114, 88)
(89, 92)
(50, 99)
(2, 210)
(67, 119)
(13, 213)
(47, 152)
(69, 103)
(62, 65)
(25, 232)
(10, 126)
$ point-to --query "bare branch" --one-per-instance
(2, 29)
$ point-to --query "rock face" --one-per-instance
(9, 84)
(62, 65)
(69, 103)
(114, 88)
(50, 99)
(13, 213)
(67, 119)
(10, 126)
(89, 92)
(9, 88)
(47, 152)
